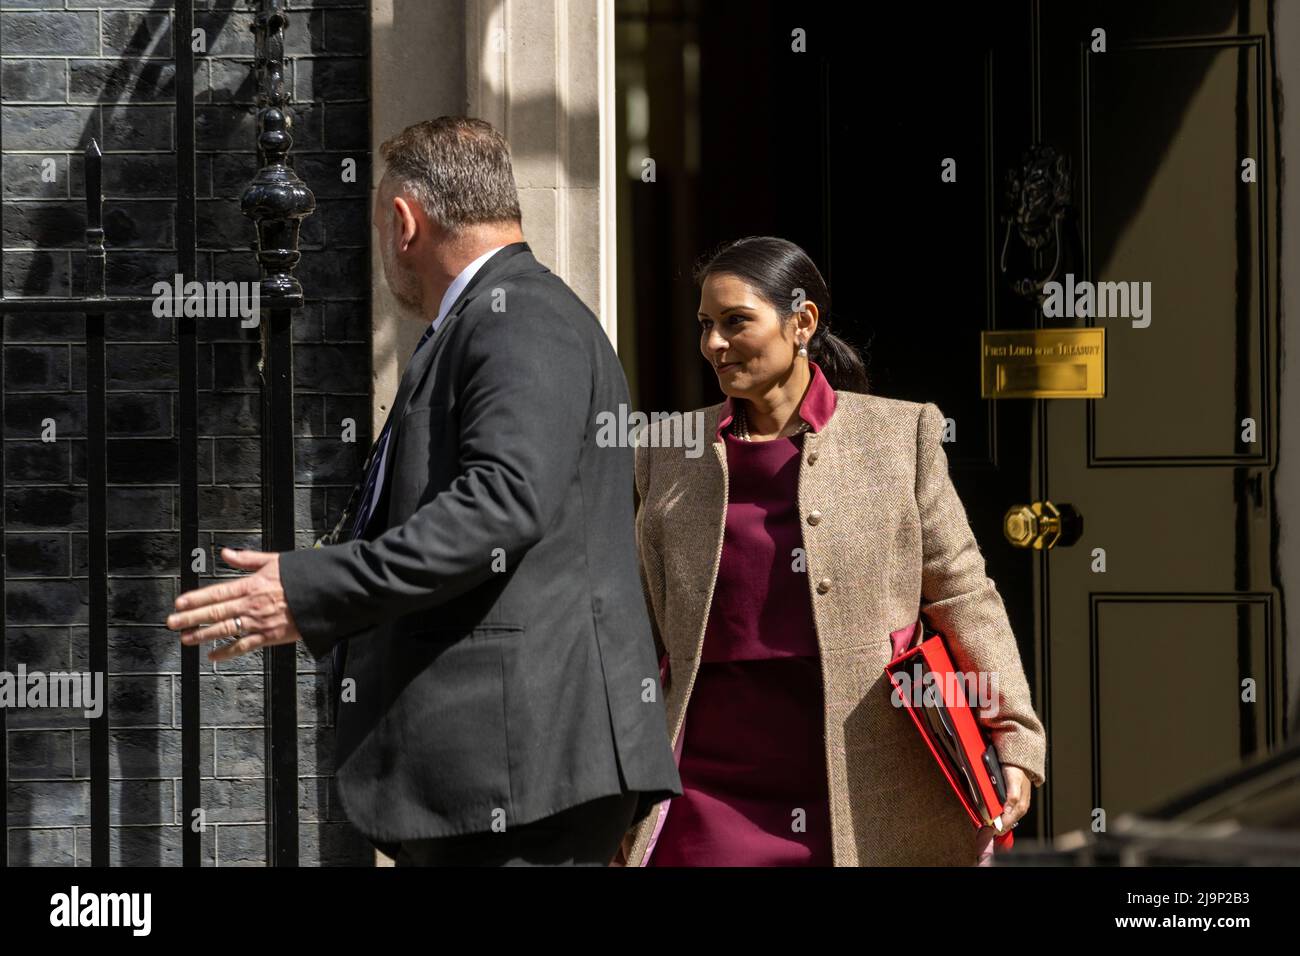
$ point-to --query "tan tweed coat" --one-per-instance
(885, 534)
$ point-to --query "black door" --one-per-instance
(1153, 640)
(882, 144)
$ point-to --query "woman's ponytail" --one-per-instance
(839, 361)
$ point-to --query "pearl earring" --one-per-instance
(803, 350)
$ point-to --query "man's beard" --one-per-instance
(403, 285)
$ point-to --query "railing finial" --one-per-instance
(276, 200)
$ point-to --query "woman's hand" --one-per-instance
(1019, 790)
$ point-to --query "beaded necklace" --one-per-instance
(740, 427)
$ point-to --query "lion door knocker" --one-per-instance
(1037, 198)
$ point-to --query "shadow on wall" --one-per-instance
(127, 106)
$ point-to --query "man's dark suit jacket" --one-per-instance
(499, 641)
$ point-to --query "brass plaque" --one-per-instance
(1043, 363)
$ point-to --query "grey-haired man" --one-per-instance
(499, 701)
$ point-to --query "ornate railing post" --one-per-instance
(277, 201)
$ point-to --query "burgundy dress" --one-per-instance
(753, 763)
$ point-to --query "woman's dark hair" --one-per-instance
(777, 269)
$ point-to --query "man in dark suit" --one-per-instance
(499, 701)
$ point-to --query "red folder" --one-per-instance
(950, 729)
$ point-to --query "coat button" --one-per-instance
(814, 517)
(823, 585)
(812, 457)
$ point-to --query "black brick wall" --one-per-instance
(102, 68)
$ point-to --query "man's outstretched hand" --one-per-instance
(257, 600)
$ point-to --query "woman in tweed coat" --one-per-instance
(862, 484)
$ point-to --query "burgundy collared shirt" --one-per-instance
(761, 607)
(753, 766)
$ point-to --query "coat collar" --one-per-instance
(514, 259)
(816, 407)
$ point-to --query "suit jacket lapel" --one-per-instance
(512, 256)
(423, 359)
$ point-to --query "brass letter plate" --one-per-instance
(1043, 363)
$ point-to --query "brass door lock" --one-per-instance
(1042, 525)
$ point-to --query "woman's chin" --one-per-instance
(730, 378)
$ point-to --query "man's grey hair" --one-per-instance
(458, 169)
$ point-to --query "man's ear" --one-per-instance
(407, 224)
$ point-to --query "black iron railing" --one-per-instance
(276, 200)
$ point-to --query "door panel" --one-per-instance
(1173, 387)
(1145, 661)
